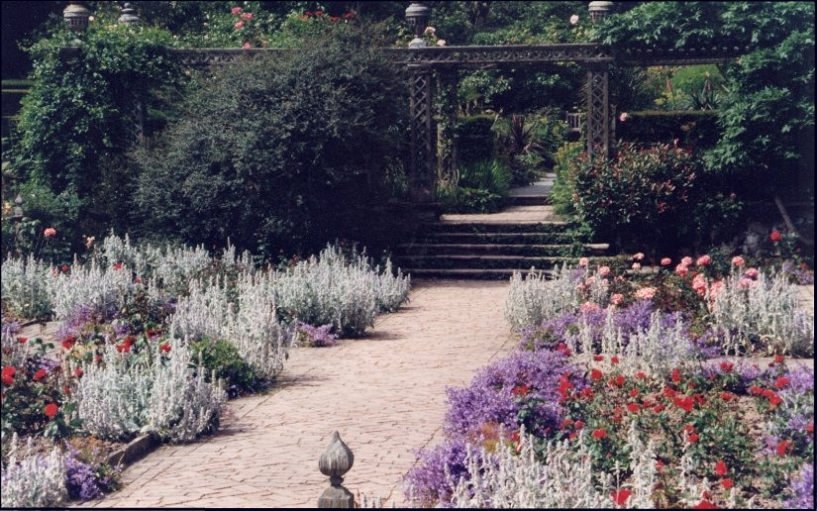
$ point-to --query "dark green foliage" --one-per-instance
(482, 187)
(474, 139)
(698, 129)
(222, 358)
(654, 196)
(767, 110)
(564, 186)
(78, 121)
(279, 153)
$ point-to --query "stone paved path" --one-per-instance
(385, 395)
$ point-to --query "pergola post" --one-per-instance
(422, 186)
(599, 115)
(446, 126)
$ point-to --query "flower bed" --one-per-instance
(152, 340)
(670, 388)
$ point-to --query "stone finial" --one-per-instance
(76, 16)
(335, 462)
(129, 15)
(417, 15)
(598, 10)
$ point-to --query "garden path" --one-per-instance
(385, 394)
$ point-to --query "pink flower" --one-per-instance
(604, 271)
(686, 261)
(645, 293)
(751, 273)
(617, 299)
(623, 117)
(682, 270)
(239, 25)
(246, 45)
(639, 256)
(584, 262)
(745, 283)
(704, 260)
(636, 266)
(666, 261)
(738, 261)
(716, 288)
(574, 19)
(775, 236)
(247, 16)
(49, 232)
(235, 11)
(589, 307)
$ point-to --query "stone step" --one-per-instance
(465, 274)
(511, 249)
(415, 262)
(493, 237)
(526, 200)
(496, 227)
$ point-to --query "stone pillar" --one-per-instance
(336, 461)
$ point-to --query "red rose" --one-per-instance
(775, 236)
(8, 375)
(727, 483)
(51, 410)
(632, 407)
(39, 375)
(618, 380)
(596, 375)
(720, 468)
(620, 496)
(599, 434)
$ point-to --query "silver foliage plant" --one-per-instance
(339, 290)
(90, 285)
(766, 308)
(122, 397)
(32, 480)
(534, 299)
(24, 287)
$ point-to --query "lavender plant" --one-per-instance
(802, 488)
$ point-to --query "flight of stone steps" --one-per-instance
(525, 235)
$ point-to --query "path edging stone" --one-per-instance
(134, 451)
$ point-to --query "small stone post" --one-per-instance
(129, 15)
(336, 461)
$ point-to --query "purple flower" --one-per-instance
(490, 398)
(81, 478)
(318, 336)
(802, 488)
(427, 483)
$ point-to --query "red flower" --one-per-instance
(676, 376)
(781, 382)
(49, 232)
(634, 393)
(22, 340)
(778, 359)
(165, 348)
(235, 11)
(810, 428)
(755, 390)
(727, 366)
(618, 380)
(596, 375)
(727, 396)
(727, 483)
(658, 408)
(614, 360)
(774, 399)
(775, 236)
(566, 423)
(515, 437)
(78, 372)
(620, 496)
(65, 268)
(600, 433)
(720, 468)
(632, 407)
(579, 424)
(563, 349)
(782, 447)
(8, 375)
(659, 465)
(68, 342)
(687, 403)
(598, 358)
(586, 393)
(137, 279)
(117, 266)
(318, 13)
(641, 375)
(564, 386)
(39, 375)
(519, 390)
(51, 410)
(693, 438)
(705, 504)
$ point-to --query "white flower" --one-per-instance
(440, 42)
(624, 116)
(574, 19)
(430, 31)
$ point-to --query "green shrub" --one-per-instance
(697, 129)
(474, 139)
(283, 152)
(642, 194)
(221, 358)
(481, 189)
(564, 187)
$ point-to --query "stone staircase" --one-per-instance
(526, 235)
